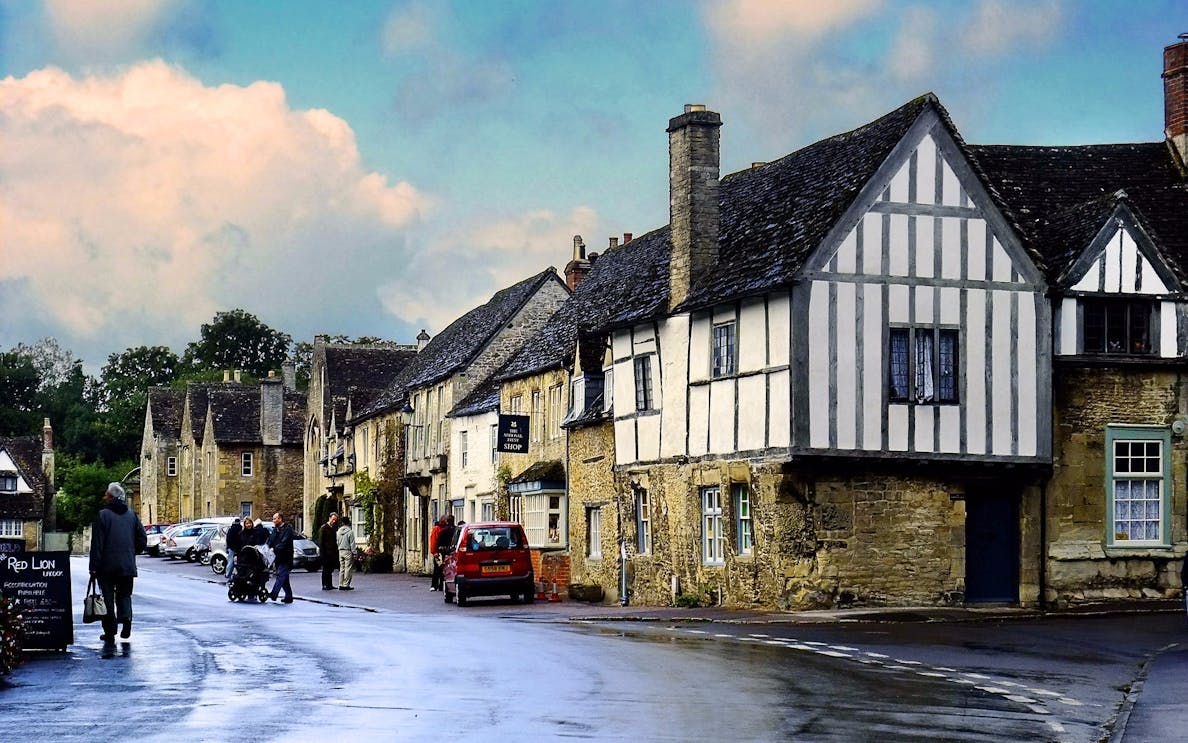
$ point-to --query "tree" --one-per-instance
(53, 363)
(81, 490)
(238, 340)
(19, 413)
(135, 370)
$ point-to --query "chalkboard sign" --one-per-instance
(9, 546)
(40, 581)
(513, 434)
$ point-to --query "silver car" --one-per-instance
(305, 551)
(179, 543)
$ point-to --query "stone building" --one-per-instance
(895, 368)
(26, 489)
(160, 452)
(345, 377)
(444, 373)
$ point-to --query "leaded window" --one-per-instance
(1138, 485)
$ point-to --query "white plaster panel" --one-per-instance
(648, 431)
(779, 409)
(721, 430)
(897, 304)
(872, 244)
(724, 313)
(1027, 382)
(1152, 284)
(897, 427)
(847, 366)
(624, 384)
(700, 345)
(872, 367)
(975, 367)
(950, 429)
(1113, 270)
(674, 355)
(847, 254)
(899, 183)
(1001, 372)
(952, 187)
(752, 412)
(644, 338)
(624, 442)
(897, 256)
(975, 257)
(1090, 280)
(1067, 317)
(1002, 261)
(621, 344)
(950, 305)
(699, 420)
(926, 170)
(1167, 330)
(924, 297)
(1130, 263)
(752, 336)
(818, 366)
(925, 420)
(778, 307)
(925, 255)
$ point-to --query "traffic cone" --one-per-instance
(540, 590)
(553, 595)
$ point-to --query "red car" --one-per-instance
(490, 559)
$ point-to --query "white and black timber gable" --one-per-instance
(924, 319)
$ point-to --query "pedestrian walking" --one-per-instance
(346, 554)
(116, 537)
(281, 542)
(434, 537)
(328, 545)
(234, 539)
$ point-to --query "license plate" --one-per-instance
(495, 569)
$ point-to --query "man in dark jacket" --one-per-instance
(281, 542)
(116, 537)
(328, 546)
(234, 544)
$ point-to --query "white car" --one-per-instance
(179, 542)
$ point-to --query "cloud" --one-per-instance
(137, 204)
(408, 28)
(482, 257)
(115, 30)
(999, 26)
(749, 22)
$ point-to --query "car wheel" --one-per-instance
(218, 564)
(153, 551)
(190, 555)
(205, 558)
(529, 596)
(461, 596)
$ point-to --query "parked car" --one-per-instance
(202, 545)
(179, 542)
(155, 533)
(305, 551)
(490, 559)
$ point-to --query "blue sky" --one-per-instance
(379, 167)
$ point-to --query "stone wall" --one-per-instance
(1081, 568)
(275, 483)
(592, 483)
(550, 444)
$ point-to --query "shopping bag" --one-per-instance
(94, 608)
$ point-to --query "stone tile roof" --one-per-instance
(1060, 197)
(26, 454)
(552, 470)
(166, 405)
(627, 281)
(456, 346)
(482, 399)
(358, 374)
(293, 422)
(592, 415)
(235, 415)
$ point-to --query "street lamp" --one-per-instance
(406, 413)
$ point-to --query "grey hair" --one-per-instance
(115, 490)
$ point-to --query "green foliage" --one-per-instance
(238, 340)
(12, 634)
(20, 414)
(703, 596)
(81, 490)
(365, 492)
(372, 560)
(135, 370)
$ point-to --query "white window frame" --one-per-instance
(487, 509)
(245, 509)
(537, 421)
(744, 524)
(556, 397)
(643, 522)
(359, 522)
(1150, 448)
(645, 398)
(545, 518)
(463, 448)
(724, 355)
(12, 528)
(171, 466)
(713, 540)
(494, 443)
(246, 464)
(594, 533)
(608, 388)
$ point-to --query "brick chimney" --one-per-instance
(692, 197)
(576, 269)
(1175, 96)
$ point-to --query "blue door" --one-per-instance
(992, 545)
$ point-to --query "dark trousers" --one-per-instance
(117, 594)
(328, 569)
(438, 569)
(282, 581)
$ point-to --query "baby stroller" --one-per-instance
(251, 576)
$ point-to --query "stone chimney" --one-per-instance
(1175, 96)
(692, 197)
(238, 377)
(226, 375)
(47, 469)
(272, 409)
(422, 340)
(289, 375)
(576, 269)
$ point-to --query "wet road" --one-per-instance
(199, 668)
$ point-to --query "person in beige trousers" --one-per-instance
(346, 554)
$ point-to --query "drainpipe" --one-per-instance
(1043, 562)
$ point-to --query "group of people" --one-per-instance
(336, 537)
(441, 543)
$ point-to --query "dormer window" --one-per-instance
(8, 483)
(1118, 326)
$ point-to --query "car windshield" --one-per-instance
(493, 538)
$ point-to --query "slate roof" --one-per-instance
(198, 394)
(293, 422)
(26, 454)
(359, 374)
(456, 346)
(166, 405)
(235, 413)
(551, 470)
(592, 415)
(1060, 197)
(626, 282)
(482, 399)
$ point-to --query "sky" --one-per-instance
(374, 168)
